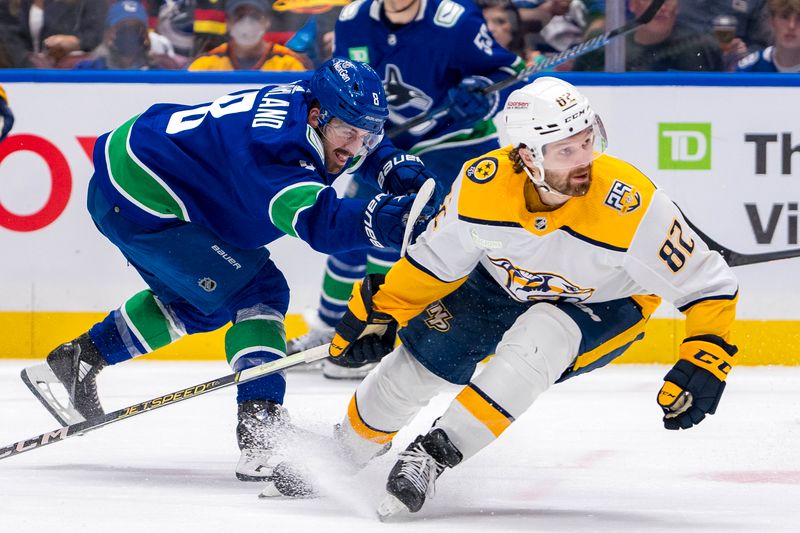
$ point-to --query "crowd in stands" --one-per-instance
(685, 35)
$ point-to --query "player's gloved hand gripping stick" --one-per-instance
(364, 335)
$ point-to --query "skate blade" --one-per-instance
(38, 379)
(391, 507)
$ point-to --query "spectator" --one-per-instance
(248, 21)
(288, 16)
(126, 42)
(784, 55)
(752, 26)
(12, 47)
(502, 19)
(552, 25)
(661, 45)
(53, 29)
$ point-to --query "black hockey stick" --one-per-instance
(734, 258)
(573, 52)
(248, 374)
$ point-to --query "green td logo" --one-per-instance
(684, 146)
(360, 54)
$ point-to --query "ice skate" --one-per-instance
(331, 369)
(262, 425)
(414, 475)
(319, 333)
(73, 365)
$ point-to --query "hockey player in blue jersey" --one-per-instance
(784, 55)
(191, 195)
(431, 54)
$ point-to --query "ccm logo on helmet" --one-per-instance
(575, 115)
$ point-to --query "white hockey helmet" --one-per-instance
(547, 111)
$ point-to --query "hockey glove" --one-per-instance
(7, 119)
(402, 173)
(694, 386)
(468, 104)
(363, 335)
(386, 217)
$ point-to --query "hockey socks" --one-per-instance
(257, 337)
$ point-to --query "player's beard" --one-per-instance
(573, 182)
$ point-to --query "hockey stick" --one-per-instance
(423, 197)
(734, 258)
(569, 54)
(248, 374)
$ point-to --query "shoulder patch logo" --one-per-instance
(482, 170)
(448, 14)
(359, 53)
(623, 198)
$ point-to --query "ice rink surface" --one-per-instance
(591, 455)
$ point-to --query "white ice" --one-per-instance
(591, 455)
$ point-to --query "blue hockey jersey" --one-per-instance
(246, 166)
(763, 61)
(420, 61)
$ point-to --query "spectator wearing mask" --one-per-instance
(784, 55)
(54, 29)
(662, 45)
(247, 22)
(126, 42)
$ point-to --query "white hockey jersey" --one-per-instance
(624, 238)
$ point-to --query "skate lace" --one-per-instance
(420, 469)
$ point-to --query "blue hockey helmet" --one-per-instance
(352, 92)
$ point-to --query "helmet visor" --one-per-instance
(577, 150)
(346, 137)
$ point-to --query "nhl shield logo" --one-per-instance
(207, 284)
(540, 223)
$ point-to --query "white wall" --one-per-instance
(67, 266)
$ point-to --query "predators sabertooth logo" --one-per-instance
(528, 286)
(438, 317)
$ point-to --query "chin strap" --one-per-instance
(542, 185)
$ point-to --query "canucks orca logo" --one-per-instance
(400, 95)
(528, 286)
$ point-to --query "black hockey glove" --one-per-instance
(363, 335)
(694, 386)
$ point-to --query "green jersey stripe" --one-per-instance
(286, 206)
(255, 335)
(138, 183)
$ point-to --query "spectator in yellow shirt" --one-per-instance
(246, 49)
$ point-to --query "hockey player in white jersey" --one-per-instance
(550, 254)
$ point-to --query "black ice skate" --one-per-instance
(414, 474)
(75, 366)
(262, 425)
